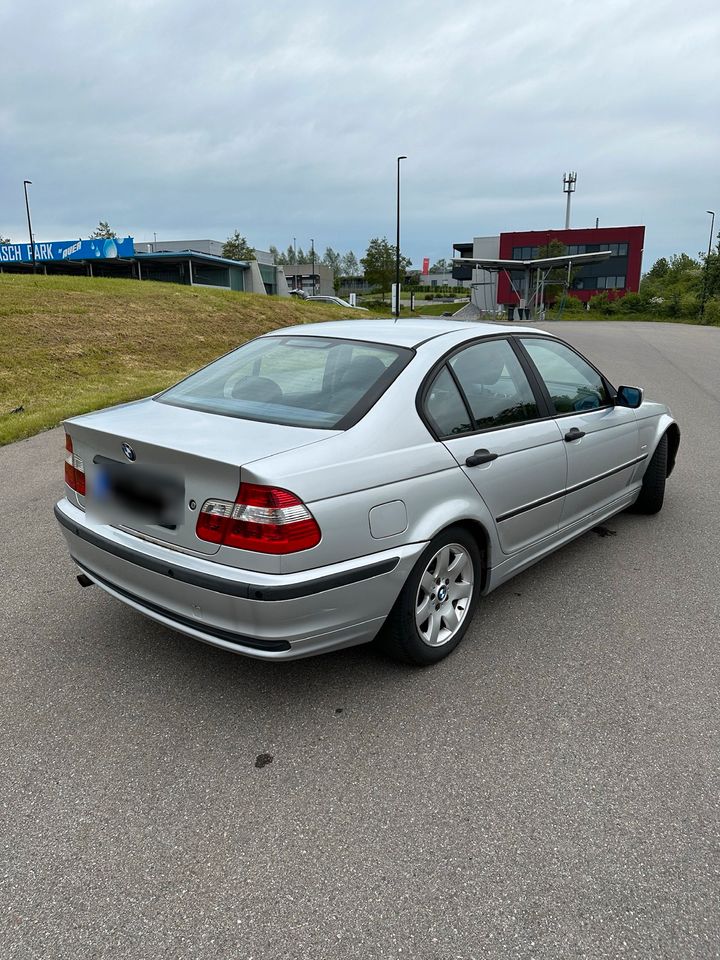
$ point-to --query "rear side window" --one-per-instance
(446, 407)
(494, 384)
(296, 381)
(573, 385)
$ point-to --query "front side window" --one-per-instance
(296, 381)
(494, 383)
(574, 386)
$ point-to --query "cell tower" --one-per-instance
(569, 180)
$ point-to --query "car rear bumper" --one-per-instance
(270, 617)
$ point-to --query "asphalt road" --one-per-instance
(549, 791)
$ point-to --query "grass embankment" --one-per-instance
(438, 309)
(69, 345)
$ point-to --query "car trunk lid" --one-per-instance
(150, 466)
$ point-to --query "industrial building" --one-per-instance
(191, 262)
(312, 278)
(497, 287)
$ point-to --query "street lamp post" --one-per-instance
(312, 254)
(397, 245)
(707, 266)
(27, 183)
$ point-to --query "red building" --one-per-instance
(618, 275)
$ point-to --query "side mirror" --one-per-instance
(629, 397)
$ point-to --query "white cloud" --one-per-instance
(193, 119)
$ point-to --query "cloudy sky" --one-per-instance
(284, 119)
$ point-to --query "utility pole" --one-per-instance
(569, 180)
(27, 183)
(312, 252)
(397, 245)
(707, 267)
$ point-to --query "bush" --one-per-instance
(601, 303)
(429, 296)
(632, 303)
(712, 312)
(673, 304)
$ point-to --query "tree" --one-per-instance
(659, 269)
(103, 231)
(278, 258)
(333, 260)
(299, 255)
(236, 248)
(5, 240)
(350, 266)
(712, 275)
(679, 274)
(441, 266)
(558, 276)
(379, 264)
(290, 255)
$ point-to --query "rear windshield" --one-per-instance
(297, 381)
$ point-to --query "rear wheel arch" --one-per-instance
(481, 536)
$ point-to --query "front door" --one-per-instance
(601, 440)
(485, 412)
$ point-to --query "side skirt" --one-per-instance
(527, 557)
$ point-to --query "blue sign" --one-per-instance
(60, 250)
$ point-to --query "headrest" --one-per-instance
(362, 372)
(259, 389)
(482, 364)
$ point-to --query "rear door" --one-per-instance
(601, 439)
(483, 408)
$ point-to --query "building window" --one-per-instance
(608, 283)
(524, 253)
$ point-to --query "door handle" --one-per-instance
(574, 434)
(480, 456)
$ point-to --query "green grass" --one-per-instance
(438, 309)
(69, 345)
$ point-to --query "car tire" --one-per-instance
(450, 568)
(652, 492)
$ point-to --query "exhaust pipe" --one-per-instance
(84, 580)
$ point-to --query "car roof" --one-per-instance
(401, 333)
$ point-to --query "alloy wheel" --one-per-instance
(444, 595)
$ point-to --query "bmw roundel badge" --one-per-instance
(128, 451)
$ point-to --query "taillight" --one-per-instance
(74, 468)
(263, 519)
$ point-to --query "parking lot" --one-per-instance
(551, 790)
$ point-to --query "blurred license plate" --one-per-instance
(122, 492)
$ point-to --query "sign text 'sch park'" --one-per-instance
(100, 249)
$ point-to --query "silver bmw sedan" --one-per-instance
(337, 483)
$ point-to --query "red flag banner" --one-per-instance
(426, 266)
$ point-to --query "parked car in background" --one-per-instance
(299, 293)
(329, 484)
(338, 302)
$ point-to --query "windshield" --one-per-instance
(296, 381)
